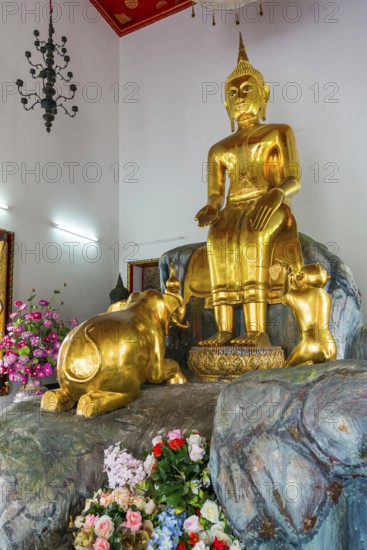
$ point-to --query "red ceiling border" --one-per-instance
(121, 30)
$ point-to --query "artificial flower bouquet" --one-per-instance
(32, 340)
(166, 502)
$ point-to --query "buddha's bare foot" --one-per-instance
(252, 338)
(221, 338)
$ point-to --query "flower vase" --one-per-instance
(33, 388)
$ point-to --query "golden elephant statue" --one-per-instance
(104, 361)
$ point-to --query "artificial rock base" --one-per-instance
(289, 460)
(51, 462)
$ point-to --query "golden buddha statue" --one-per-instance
(254, 232)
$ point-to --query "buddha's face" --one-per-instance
(244, 98)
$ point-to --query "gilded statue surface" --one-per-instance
(253, 248)
(104, 361)
(254, 227)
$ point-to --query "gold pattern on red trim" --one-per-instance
(122, 18)
(161, 5)
(131, 4)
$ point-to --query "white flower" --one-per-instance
(200, 546)
(149, 463)
(210, 511)
(195, 439)
(88, 504)
(196, 452)
(149, 507)
(78, 522)
(235, 545)
(196, 447)
(218, 526)
(206, 537)
(157, 440)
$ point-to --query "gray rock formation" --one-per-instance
(345, 321)
(50, 462)
(289, 459)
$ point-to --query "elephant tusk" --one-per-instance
(180, 325)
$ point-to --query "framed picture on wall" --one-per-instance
(6, 290)
(142, 275)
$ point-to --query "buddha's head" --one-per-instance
(246, 93)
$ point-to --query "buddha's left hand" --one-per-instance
(266, 206)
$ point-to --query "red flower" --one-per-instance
(181, 546)
(198, 512)
(219, 544)
(176, 444)
(157, 450)
(194, 538)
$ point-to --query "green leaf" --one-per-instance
(25, 350)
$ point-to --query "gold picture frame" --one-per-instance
(6, 290)
(142, 275)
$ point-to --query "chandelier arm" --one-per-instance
(32, 94)
(31, 107)
(66, 111)
(57, 46)
(65, 98)
(35, 64)
(62, 77)
(62, 68)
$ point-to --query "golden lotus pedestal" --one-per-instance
(225, 363)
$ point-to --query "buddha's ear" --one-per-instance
(266, 92)
(264, 101)
(230, 116)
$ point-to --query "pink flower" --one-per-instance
(56, 315)
(104, 527)
(13, 315)
(101, 544)
(43, 303)
(133, 521)
(89, 522)
(47, 323)
(18, 303)
(192, 525)
(23, 307)
(35, 315)
(47, 369)
(175, 434)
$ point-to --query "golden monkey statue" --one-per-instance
(104, 361)
(311, 305)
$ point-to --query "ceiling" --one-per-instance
(127, 16)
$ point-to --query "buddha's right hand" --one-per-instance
(207, 215)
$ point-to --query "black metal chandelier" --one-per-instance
(48, 73)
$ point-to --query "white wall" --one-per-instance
(168, 132)
(92, 137)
